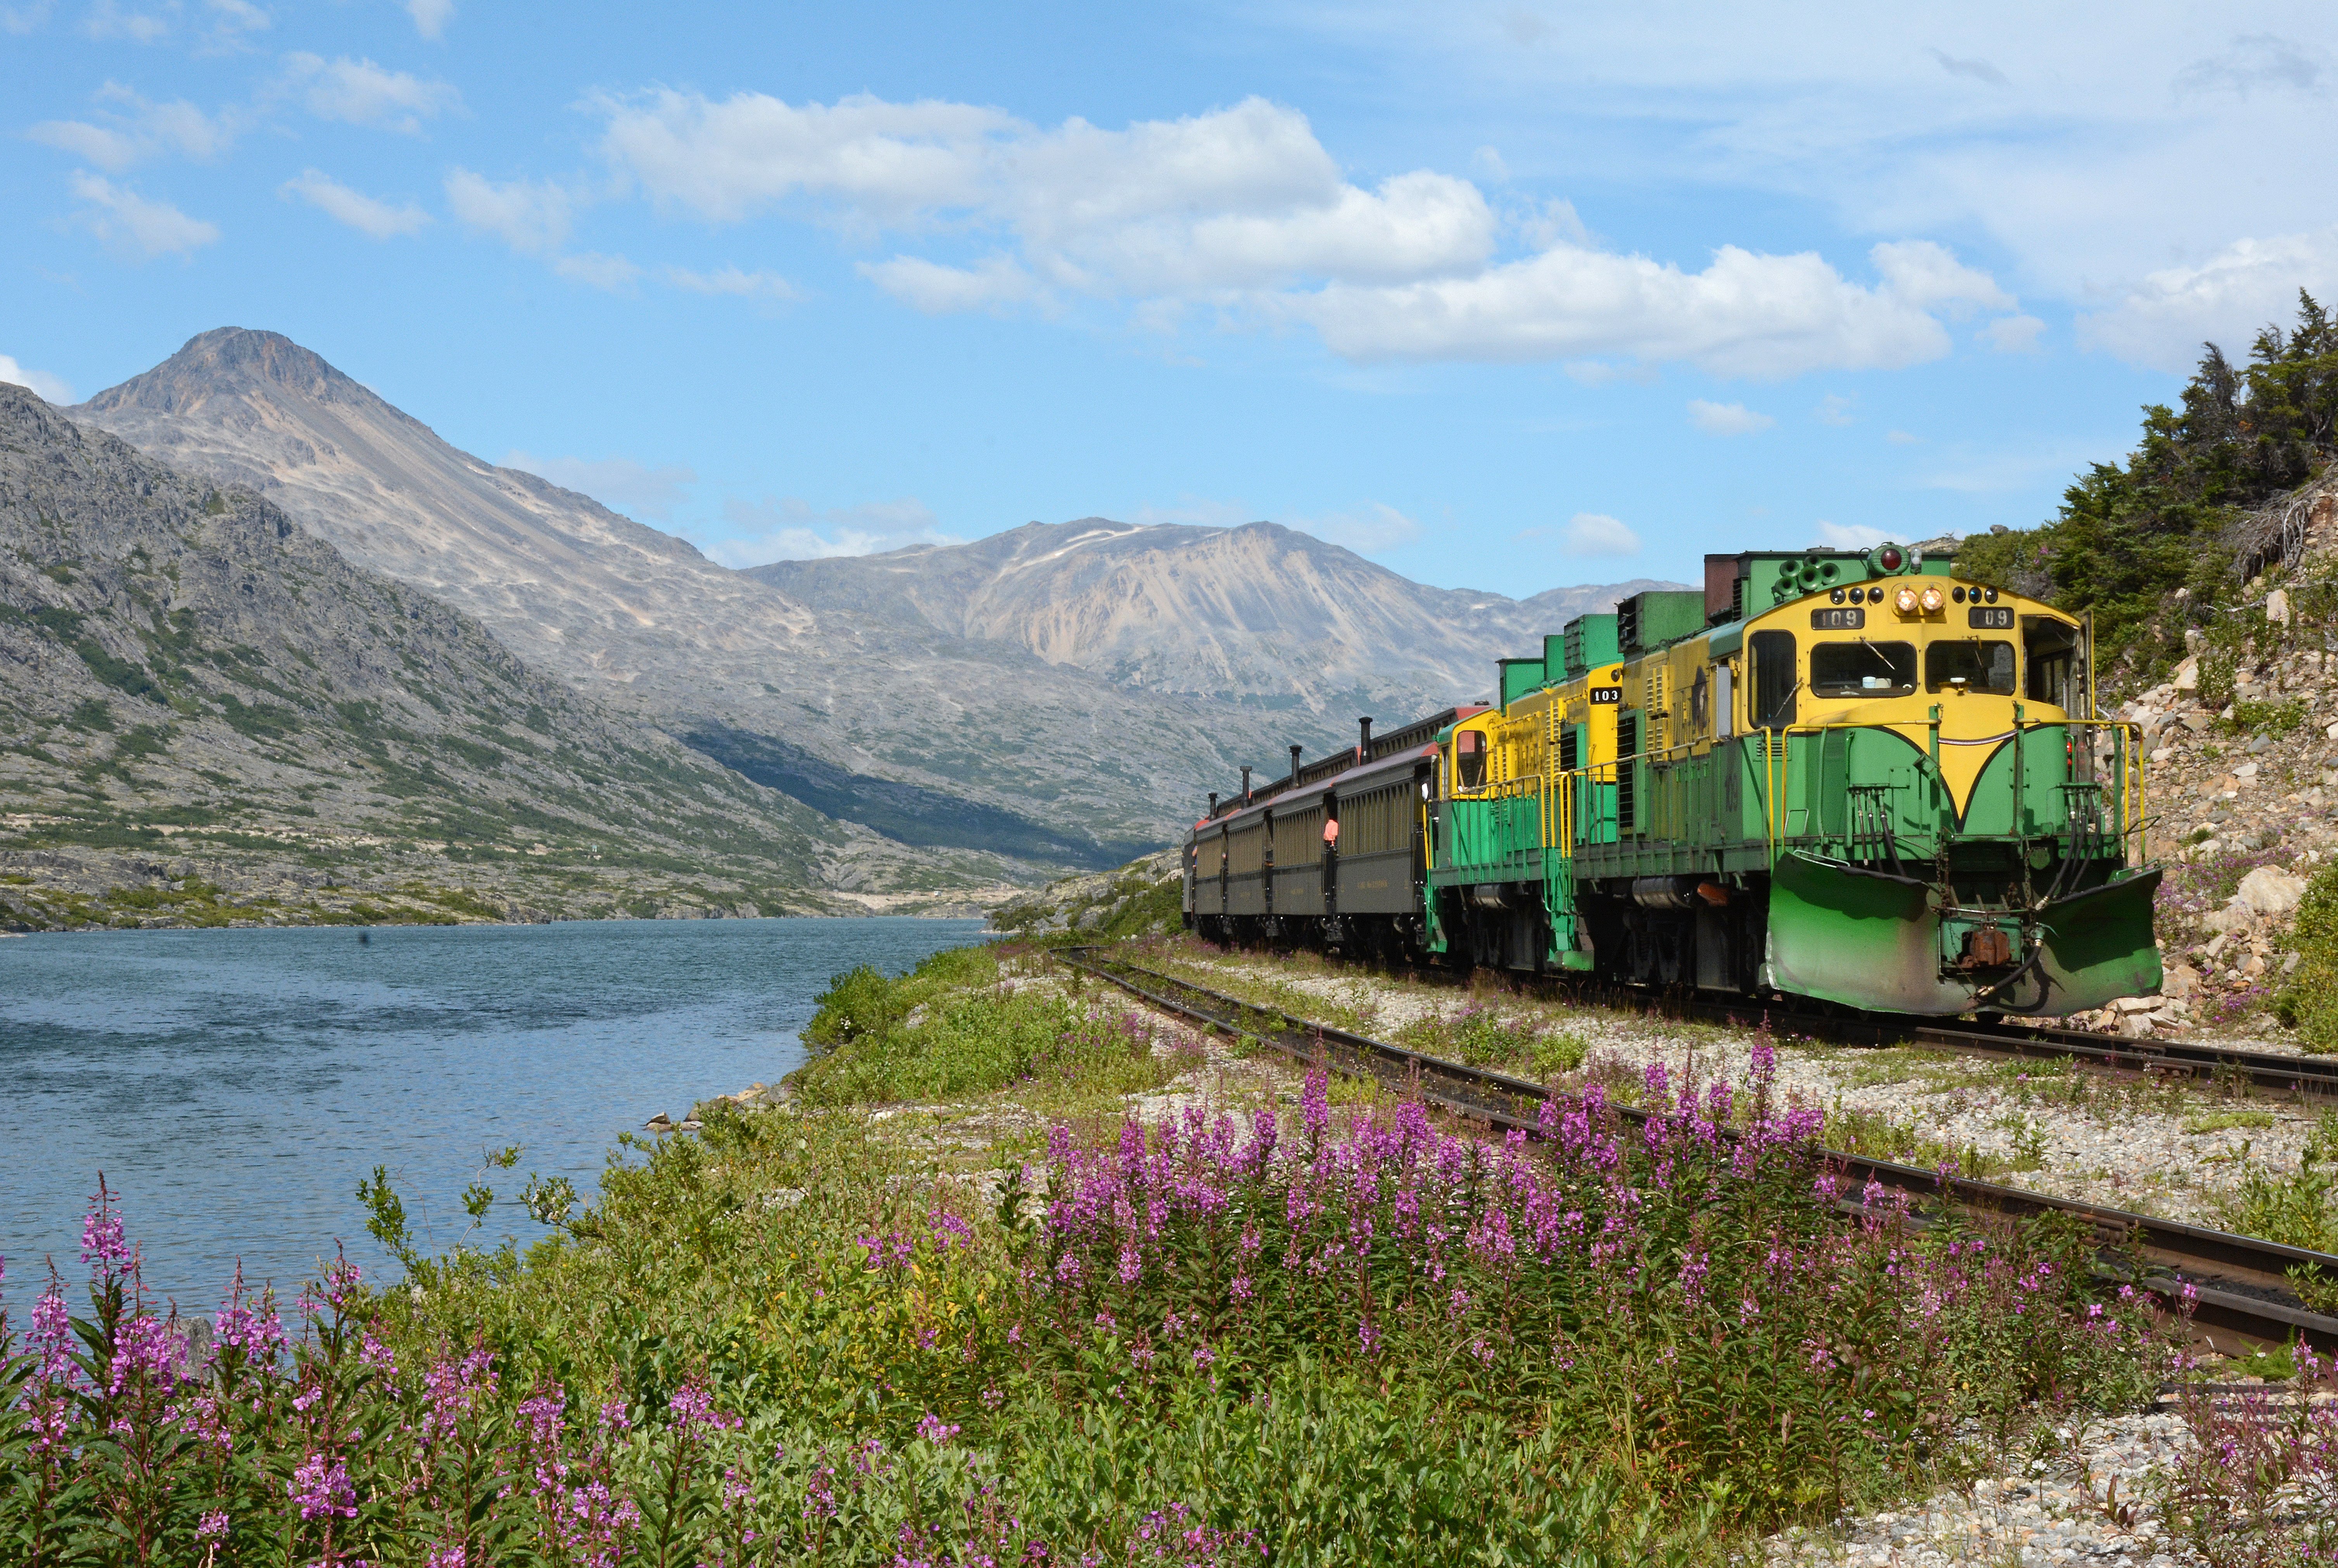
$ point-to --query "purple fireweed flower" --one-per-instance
(103, 1247)
(51, 1334)
(146, 1350)
(320, 1488)
(1315, 1101)
(694, 1412)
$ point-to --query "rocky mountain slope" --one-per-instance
(627, 614)
(1049, 735)
(1260, 614)
(208, 714)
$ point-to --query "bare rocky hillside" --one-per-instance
(1259, 614)
(208, 714)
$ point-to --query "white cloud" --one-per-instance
(617, 482)
(793, 530)
(735, 282)
(2013, 334)
(366, 214)
(431, 17)
(1235, 198)
(51, 388)
(2106, 153)
(726, 159)
(2165, 319)
(1241, 211)
(102, 145)
(2258, 62)
(1375, 530)
(1926, 275)
(1834, 408)
(1902, 438)
(1847, 536)
(133, 129)
(129, 224)
(23, 19)
(1745, 315)
(1590, 533)
(531, 216)
(360, 93)
(597, 271)
(230, 19)
(107, 22)
(937, 290)
(1727, 419)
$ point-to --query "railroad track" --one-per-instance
(2303, 1076)
(2241, 1282)
(2300, 1075)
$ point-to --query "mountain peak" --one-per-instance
(229, 360)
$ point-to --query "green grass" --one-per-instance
(2224, 1120)
(956, 1025)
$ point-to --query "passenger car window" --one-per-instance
(1862, 668)
(1469, 760)
(1981, 666)
(1774, 678)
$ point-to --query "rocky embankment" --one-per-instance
(2241, 797)
(1142, 898)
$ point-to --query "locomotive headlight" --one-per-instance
(1932, 602)
(1904, 600)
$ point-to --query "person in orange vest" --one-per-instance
(1331, 834)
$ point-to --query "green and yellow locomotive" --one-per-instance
(1842, 775)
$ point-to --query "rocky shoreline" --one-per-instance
(71, 888)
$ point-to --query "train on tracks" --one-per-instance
(1844, 775)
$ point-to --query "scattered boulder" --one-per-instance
(2269, 890)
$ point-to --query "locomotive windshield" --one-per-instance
(1975, 665)
(1862, 668)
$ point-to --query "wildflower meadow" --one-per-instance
(1309, 1336)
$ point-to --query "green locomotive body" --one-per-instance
(1842, 775)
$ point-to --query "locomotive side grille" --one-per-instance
(1627, 744)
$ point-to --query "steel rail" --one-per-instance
(2187, 1058)
(2240, 1283)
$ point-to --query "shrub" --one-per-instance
(2308, 1003)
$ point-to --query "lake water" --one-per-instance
(235, 1086)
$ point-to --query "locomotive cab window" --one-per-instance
(1862, 668)
(1774, 680)
(1970, 663)
(1469, 760)
(2050, 648)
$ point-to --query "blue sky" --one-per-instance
(1505, 295)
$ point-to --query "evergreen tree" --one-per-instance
(2128, 536)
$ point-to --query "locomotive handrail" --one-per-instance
(1559, 826)
(1777, 765)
